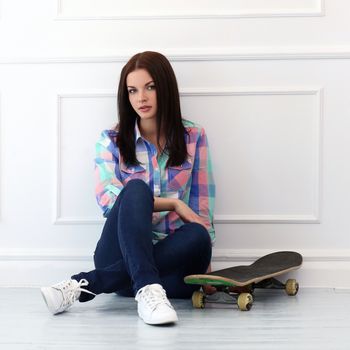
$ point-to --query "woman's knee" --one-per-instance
(134, 187)
(138, 186)
(136, 191)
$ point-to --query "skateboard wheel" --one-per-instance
(198, 300)
(292, 287)
(245, 301)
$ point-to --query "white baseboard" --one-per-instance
(324, 269)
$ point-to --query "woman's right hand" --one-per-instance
(186, 214)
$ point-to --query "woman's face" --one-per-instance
(142, 93)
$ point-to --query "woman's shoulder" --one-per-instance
(109, 134)
(108, 138)
(192, 128)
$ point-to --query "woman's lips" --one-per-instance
(145, 108)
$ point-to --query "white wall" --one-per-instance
(268, 80)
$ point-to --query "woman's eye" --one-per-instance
(151, 87)
(131, 91)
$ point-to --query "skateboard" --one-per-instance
(236, 285)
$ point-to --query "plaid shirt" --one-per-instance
(192, 181)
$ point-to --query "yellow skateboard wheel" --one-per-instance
(245, 301)
(198, 300)
(292, 287)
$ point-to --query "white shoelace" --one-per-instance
(70, 293)
(153, 295)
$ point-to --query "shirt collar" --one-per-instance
(137, 133)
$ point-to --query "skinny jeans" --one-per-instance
(126, 259)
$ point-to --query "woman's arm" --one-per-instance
(164, 204)
(202, 194)
(185, 213)
(107, 184)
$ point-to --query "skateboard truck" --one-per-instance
(291, 286)
(244, 300)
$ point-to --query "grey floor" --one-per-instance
(314, 319)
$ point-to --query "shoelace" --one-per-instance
(70, 296)
(153, 296)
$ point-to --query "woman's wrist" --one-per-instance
(165, 204)
(177, 203)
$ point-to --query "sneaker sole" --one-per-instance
(164, 321)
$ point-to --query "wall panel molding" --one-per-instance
(219, 219)
(219, 255)
(317, 11)
(58, 219)
(1, 156)
(287, 219)
(210, 55)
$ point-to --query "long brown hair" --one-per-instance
(169, 118)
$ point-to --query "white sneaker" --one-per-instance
(59, 297)
(153, 305)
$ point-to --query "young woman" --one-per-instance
(155, 187)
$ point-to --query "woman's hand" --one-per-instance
(186, 214)
(208, 289)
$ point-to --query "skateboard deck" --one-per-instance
(260, 274)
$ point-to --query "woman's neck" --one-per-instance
(148, 130)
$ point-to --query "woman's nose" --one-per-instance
(142, 96)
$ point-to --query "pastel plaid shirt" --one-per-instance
(192, 181)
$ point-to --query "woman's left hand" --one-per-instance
(208, 289)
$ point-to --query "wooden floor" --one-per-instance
(315, 319)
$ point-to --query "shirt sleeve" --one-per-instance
(202, 193)
(107, 174)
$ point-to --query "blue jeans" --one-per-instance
(126, 259)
